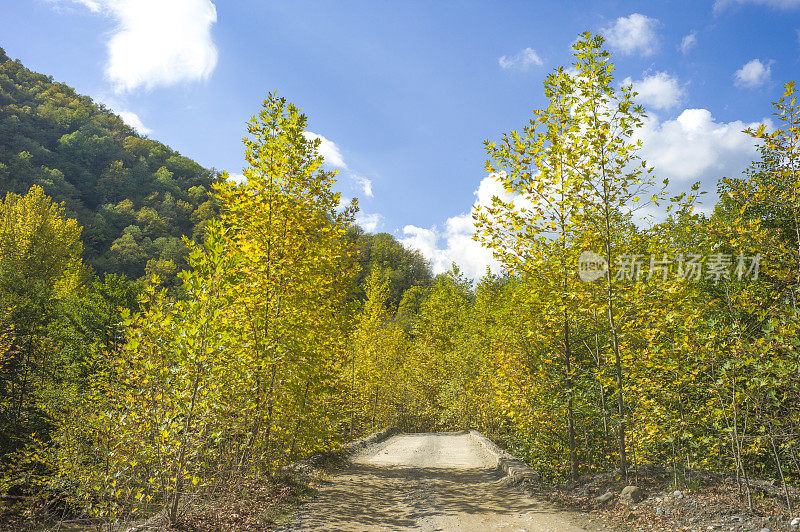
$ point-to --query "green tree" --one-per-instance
(295, 271)
(84, 156)
(403, 268)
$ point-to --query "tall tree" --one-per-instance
(296, 265)
(534, 233)
(40, 264)
(614, 177)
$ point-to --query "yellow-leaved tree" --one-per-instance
(40, 264)
(243, 373)
(291, 291)
(376, 365)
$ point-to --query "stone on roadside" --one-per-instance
(604, 498)
(631, 494)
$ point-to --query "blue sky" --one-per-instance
(404, 93)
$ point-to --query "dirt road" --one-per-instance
(428, 482)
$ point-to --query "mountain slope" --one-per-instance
(135, 197)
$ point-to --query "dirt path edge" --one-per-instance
(515, 470)
(340, 456)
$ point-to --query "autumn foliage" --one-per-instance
(293, 333)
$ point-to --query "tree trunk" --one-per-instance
(623, 462)
(573, 456)
(299, 419)
(178, 486)
(780, 470)
(270, 410)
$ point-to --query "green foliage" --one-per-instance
(55, 322)
(40, 266)
(376, 371)
(536, 359)
(402, 268)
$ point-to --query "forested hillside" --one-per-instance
(404, 269)
(134, 197)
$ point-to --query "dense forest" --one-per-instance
(134, 197)
(606, 343)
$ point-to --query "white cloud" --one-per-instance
(633, 34)
(133, 120)
(236, 177)
(688, 42)
(424, 240)
(118, 106)
(91, 4)
(522, 60)
(369, 222)
(753, 74)
(364, 183)
(328, 149)
(658, 91)
(344, 202)
(720, 5)
(453, 242)
(333, 157)
(158, 42)
(695, 147)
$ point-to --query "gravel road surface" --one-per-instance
(428, 482)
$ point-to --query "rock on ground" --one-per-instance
(631, 495)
